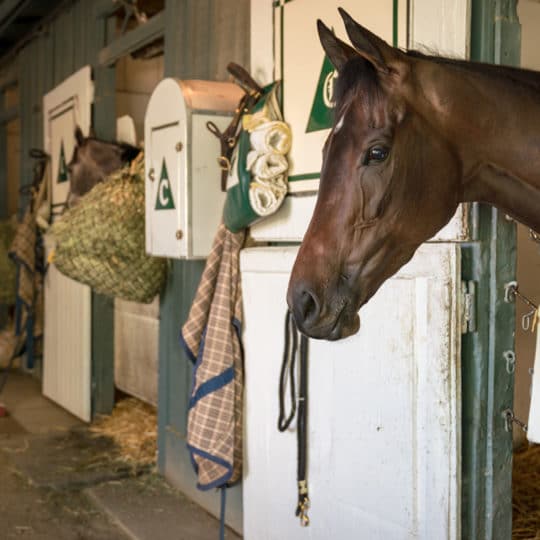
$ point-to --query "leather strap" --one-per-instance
(229, 137)
(244, 79)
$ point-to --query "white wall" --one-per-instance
(528, 256)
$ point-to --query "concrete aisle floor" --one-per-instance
(57, 483)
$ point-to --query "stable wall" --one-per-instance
(201, 38)
(13, 153)
(528, 252)
(135, 82)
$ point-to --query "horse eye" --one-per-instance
(376, 154)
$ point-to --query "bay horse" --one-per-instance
(413, 137)
(92, 161)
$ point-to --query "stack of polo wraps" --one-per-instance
(270, 140)
(212, 339)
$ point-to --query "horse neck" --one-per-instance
(491, 116)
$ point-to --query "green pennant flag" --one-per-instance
(322, 109)
(164, 199)
(63, 175)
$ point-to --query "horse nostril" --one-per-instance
(307, 307)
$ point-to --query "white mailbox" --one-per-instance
(184, 201)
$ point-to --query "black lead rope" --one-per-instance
(289, 367)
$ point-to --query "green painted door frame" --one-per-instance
(490, 261)
(104, 124)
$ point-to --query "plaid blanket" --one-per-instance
(212, 339)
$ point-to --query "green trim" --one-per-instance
(489, 260)
(307, 176)
(104, 122)
(395, 8)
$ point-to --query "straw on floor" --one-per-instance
(133, 427)
(526, 494)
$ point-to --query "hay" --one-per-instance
(101, 240)
(526, 494)
(133, 428)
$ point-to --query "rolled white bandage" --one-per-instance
(266, 166)
(272, 137)
(266, 196)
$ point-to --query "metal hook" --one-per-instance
(526, 320)
(510, 289)
(510, 358)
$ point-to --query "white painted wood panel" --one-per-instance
(533, 433)
(384, 416)
(136, 337)
(67, 319)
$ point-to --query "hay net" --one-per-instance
(101, 241)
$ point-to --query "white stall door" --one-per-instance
(67, 325)
(384, 416)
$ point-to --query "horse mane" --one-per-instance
(517, 75)
(360, 77)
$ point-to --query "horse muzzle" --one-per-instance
(318, 320)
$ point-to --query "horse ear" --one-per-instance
(79, 137)
(374, 49)
(337, 51)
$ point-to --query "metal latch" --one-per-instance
(468, 307)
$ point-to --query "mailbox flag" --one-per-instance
(62, 166)
(164, 200)
(322, 109)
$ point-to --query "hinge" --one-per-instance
(468, 307)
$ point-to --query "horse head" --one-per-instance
(388, 183)
(93, 160)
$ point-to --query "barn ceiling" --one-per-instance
(19, 17)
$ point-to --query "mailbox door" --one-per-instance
(166, 169)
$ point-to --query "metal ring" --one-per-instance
(535, 237)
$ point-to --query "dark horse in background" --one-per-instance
(413, 137)
(93, 160)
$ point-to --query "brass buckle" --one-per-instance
(303, 515)
(224, 163)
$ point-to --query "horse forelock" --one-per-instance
(358, 81)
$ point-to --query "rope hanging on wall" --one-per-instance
(288, 368)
